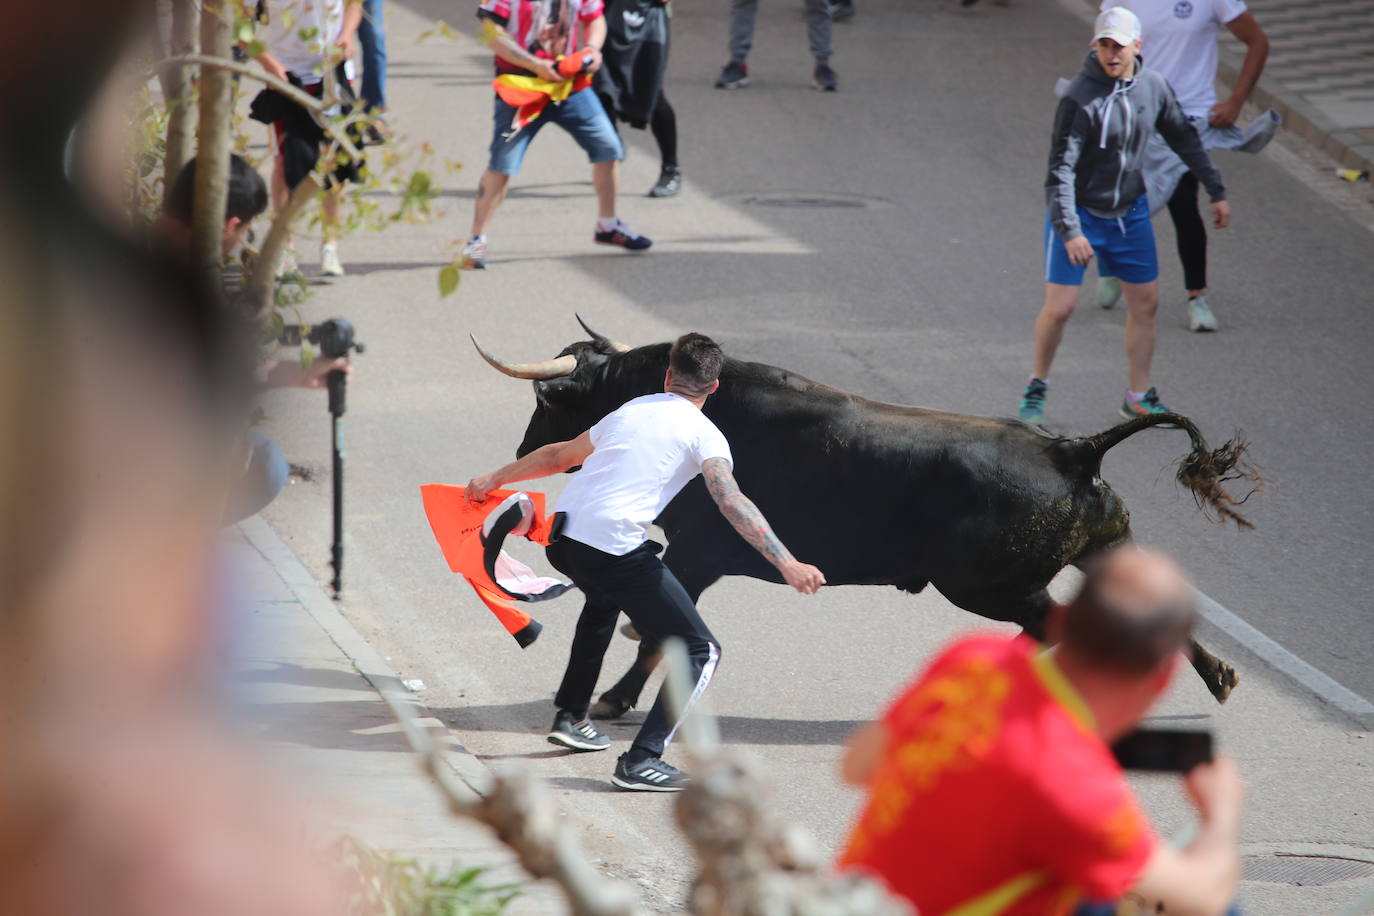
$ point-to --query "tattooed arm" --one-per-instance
(746, 518)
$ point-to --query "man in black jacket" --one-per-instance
(1095, 193)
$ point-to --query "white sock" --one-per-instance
(477, 238)
(606, 225)
(1136, 395)
(1031, 378)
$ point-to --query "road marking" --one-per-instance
(1324, 686)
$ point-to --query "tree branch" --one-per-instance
(316, 107)
(212, 155)
(258, 285)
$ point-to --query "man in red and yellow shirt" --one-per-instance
(992, 786)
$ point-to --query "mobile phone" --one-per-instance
(1163, 750)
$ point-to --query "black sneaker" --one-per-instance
(669, 182)
(734, 76)
(623, 236)
(651, 775)
(823, 79)
(840, 10)
(580, 736)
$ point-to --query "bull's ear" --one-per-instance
(555, 390)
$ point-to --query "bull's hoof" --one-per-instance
(610, 707)
(1226, 681)
(629, 632)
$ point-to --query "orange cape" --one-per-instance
(471, 534)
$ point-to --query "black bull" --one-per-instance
(986, 510)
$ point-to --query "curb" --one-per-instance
(369, 663)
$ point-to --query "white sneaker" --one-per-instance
(329, 260)
(475, 253)
(287, 263)
(1200, 317)
(1108, 291)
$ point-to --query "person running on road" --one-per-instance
(528, 37)
(634, 461)
(1097, 203)
(735, 75)
(1181, 43)
(991, 784)
(630, 81)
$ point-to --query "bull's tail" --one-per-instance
(1204, 471)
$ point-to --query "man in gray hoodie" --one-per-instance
(1095, 193)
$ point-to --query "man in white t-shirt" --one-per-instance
(1180, 42)
(633, 463)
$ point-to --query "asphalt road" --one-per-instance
(919, 284)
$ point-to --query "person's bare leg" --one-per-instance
(1142, 306)
(491, 190)
(605, 178)
(1060, 300)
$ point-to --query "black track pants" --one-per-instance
(640, 585)
(1191, 232)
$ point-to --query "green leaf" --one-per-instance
(449, 278)
(255, 48)
(243, 31)
(308, 35)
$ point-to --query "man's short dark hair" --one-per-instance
(696, 361)
(1120, 627)
(247, 196)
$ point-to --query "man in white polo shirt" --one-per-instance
(1180, 42)
(633, 463)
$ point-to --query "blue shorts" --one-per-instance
(1125, 247)
(580, 115)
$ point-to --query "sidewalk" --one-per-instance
(1320, 72)
(309, 685)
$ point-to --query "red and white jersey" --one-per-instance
(545, 28)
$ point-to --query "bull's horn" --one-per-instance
(598, 338)
(549, 368)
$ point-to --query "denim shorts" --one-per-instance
(1125, 247)
(580, 114)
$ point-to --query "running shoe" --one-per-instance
(330, 266)
(669, 182)
(1144, 407)
(287, 264)
(580, 735)
(1200, 317)
(623, 236)
(651, 775)
(1108, 291)
(823, 79)
(1032, 409)
(840, 10)
(734, 76)
(475, 253)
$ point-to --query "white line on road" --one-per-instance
(1325, 687)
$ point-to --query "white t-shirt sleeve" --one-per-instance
(1227, 10)
(712, 444)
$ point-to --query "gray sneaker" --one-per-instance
(1108, 291)
(735, 75)
(1200, 317)
(579, 735)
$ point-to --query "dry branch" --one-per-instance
(316, 107)
(257, 288)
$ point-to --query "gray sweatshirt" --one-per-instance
(1098, 147)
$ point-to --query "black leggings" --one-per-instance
(650, 595)
(662, 124)
(1191, 232)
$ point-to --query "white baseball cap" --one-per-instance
(1119, 24)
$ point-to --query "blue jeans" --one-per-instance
(373, 40)
(1109, 909)
(580, 115)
